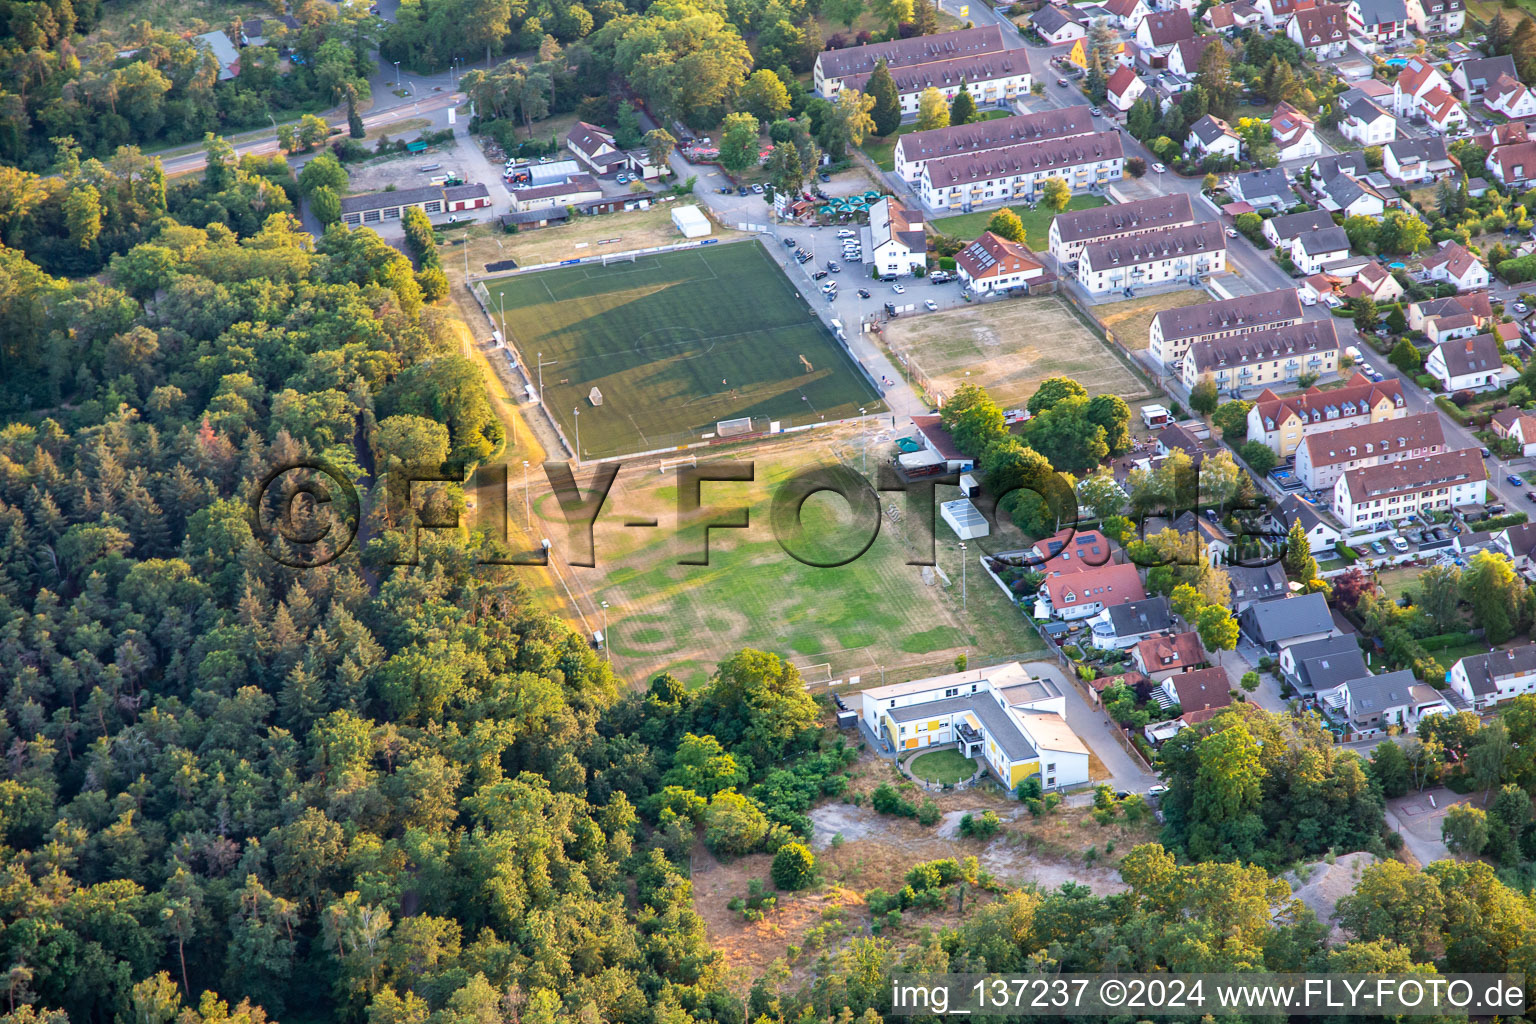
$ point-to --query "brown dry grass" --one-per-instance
(1130, 322)
(639, 229)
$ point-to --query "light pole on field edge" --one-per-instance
(866, 442)
(527, 511)
(577, 411)
(397, 74)
(607, 640)
(962, 578)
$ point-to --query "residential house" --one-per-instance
(1415, 160)
(1071, 550)
(1232, 17)
(1123, 626)
(942, 443)
(1314, 250)
(576, 188)
(1365, 121)
(1319, 665)
(1260, 189)
(262, 31)
(1517, 425)
(915, 149)
(1184, 59)
(1286, 228)
(1058, 24)
(1315, 289)
(1160, 31)
(1252, 583)
(1378, 24)
(1125, 88)
(1199, 694)
(1322, 535)
(1159, 657)
(1016, 173)
(1152, 257)
(1116, 53)
(1074, 229)
(1508, 97)
(1264, 358)
(1486, 680)
(1442, 329)
(1125, 15)
(1396, 490)
(1281, 423)
(1276, 13)
(596, 148)
(1278, 624)
(1372, 705)
(1437, 17)
(1212, 136)
(1174, 330)
(1212, 544)
(375, 208)
(1079, 595)
(894, 241)
(1012, 722)
(1518, 542)
(1466, 364)
(992, 264)
(1353, 197)
(1374, 282)
(1323, 457)
(1441, 110)
(1420, 314)
(1417, 79)
(1295, 133)
(1322, 31)
(993, 74)
(1513, 165)
(224, 51)
(1454, 264)
(1471, 78)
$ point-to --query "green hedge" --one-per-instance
(1441, 641)
(1346, 553)
(1426, 382)
(1452, 410)
(1499, 522)
(946, 263)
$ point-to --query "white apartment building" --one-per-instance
(973, 180)
(1153, 257)
(1323, 457)
(1396, 490)
(1174, 330)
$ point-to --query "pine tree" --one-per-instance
(924, 17)
(1299, 563)
(962, 110)
(355, 127)
(886, 112)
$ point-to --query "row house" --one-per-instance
(1264, 358)
(915, 149)
(1074, 229)
(1174, 330)
(1153, 257)
(1281, 423)
(1323, 457)
(1016, 173)
(837, 69)
(992, 79)
(1409, 487)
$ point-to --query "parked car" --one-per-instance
(1399, 544)
(1159, 168)
(622, 179)
(744, 191)
(1521, 307)
(790, 243)
(824, 177)
(1061, 81)
(758, 189)
(1486, 453)
(1231, 232)
(818, 275)
(863, 293)
(830, 287)
(845, 233)
(832, 266)
(1530, 495)
(898, 289)
(931, 305)
(1095, 111)
(1377, 547)
(1517, 481)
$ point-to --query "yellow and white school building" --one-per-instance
(1012, 721)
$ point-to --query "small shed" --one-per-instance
(416, 146)
(691, 221)
(964, 519)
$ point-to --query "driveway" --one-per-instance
(1095, 729)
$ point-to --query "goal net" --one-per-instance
(482, 294)
(618, 257)
(734, 428)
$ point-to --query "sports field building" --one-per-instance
(1013, 722)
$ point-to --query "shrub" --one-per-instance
(886, 800)
(794, 867)
(928, 814)
(983, 827)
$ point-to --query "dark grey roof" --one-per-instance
(1379, 12)
(1208, 129)
(1290, 225)
(1285, 618)
(474, 190)
(1328, 167)
(915, 50)
(399, 197)
(1408, 150)
(1471, 355)
(1052, 18)
(1256, 583)
(1375, 694)
(1329, 239)
(1000, 726)
(535, 216)
(1059, 122)
(1258, 185)
(1522, 538)
(1150, 615)
(1122, 218)
(1483, 670)
(1253, 312)
(1293, 509)
(1158, 244)
(1314, 337)
(1481, 72)
(1358, 104)
(1324, 664)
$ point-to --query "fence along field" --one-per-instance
(675, 343)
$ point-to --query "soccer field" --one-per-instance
(676, 342)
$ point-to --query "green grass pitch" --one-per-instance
(677, 342)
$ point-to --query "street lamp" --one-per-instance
(963, 604)
(397, 74)
(866, 442)
(607, 640)
(541, 378)
(577, 411)
(527, 511)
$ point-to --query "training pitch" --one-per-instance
(676, 342)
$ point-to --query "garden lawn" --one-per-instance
(1037, 222)
(882, 148)
(946, 767)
